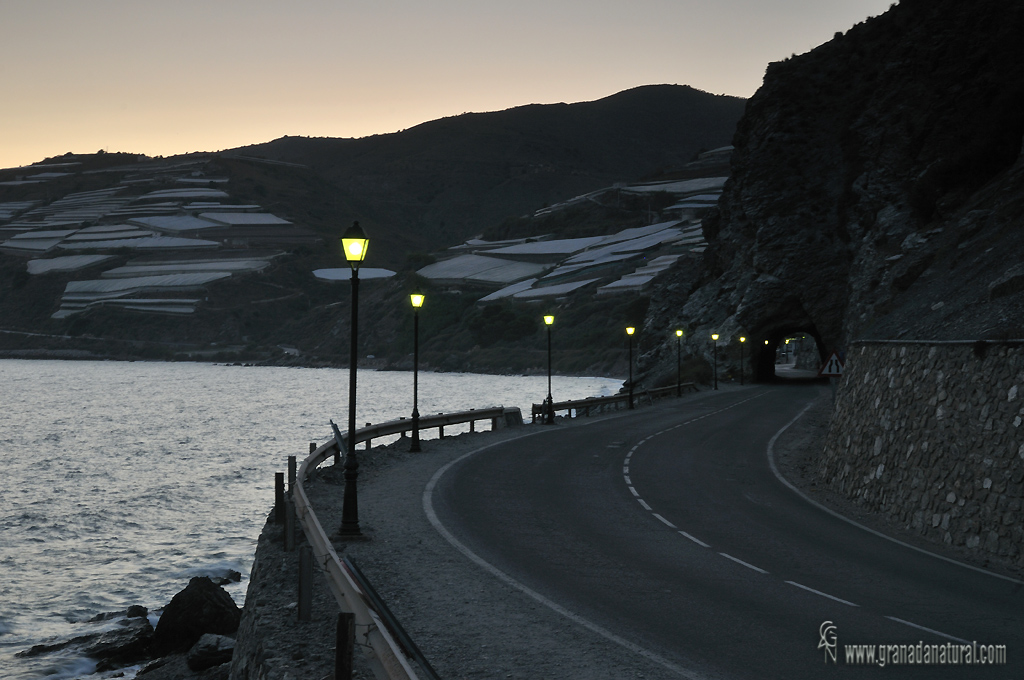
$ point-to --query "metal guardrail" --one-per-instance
(353, 594)
(584, 406)
(498, 415)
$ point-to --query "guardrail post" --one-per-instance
(472, 426)
(279, 497)
(305, 583)
(368, 440)
(345, 646)
(291, 472)
(402, 435)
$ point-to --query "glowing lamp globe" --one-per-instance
(354, 244)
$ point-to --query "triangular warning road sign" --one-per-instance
(833, 367)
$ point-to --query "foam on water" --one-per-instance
(124, 480)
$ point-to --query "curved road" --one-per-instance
(667, 531)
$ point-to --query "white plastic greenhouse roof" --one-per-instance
(33, 235)
(67, 263)
(508, 291)
(564, 246)
(147, 243)
(233, 266)
(631, 282)
(681, 187)
(344, 274)
(185, 193)
(130, 232)
(638, 232)
(172, 224)
(140, 283)
(481, 268)
(553, 291)
(630, 246)
(237, 219)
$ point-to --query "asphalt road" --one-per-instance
(667, 531)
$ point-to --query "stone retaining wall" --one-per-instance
(931, 435)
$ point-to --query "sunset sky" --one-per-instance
(163, 78)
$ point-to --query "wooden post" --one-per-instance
(291, 473)
(305, 583)
(345, 646)
(289, 526)
(279, 497)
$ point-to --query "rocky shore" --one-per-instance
(193, 636)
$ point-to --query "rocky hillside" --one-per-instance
(876, 190)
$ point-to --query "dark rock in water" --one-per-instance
(202, 607)
(210, 651)
(232, 577)
(39, 650)
(123, 646)
(136, 612)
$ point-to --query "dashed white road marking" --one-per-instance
(745, 564)
(818, 592)
(695, 539)
(928, 630)
(665, 520)
(428, 509)
(646, 507)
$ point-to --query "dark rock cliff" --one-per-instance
(876, 190)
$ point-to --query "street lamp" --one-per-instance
(629, 331)
(714, 345)
(416, 298)
(549, 412)
(742, 340)
(353, 244)
(679, 363)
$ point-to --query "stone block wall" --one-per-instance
(932, 435)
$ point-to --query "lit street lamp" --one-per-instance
(549, 410)
(354, 244)
(417, 301)
(742, 340)
(714, 345)
(629, 331)
(679, 363)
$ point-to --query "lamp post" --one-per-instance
(679, 363)
(629, 331)
(714, 345)
(416, 298)
(742, 340)
(549, 411)
(354, 244)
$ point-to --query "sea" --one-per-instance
(122, 480)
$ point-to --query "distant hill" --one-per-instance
(124, 266)
(444, 181)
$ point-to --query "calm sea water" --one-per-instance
(123, 480)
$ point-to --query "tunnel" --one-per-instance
(774, 359)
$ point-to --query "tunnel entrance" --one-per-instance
(789, 354)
